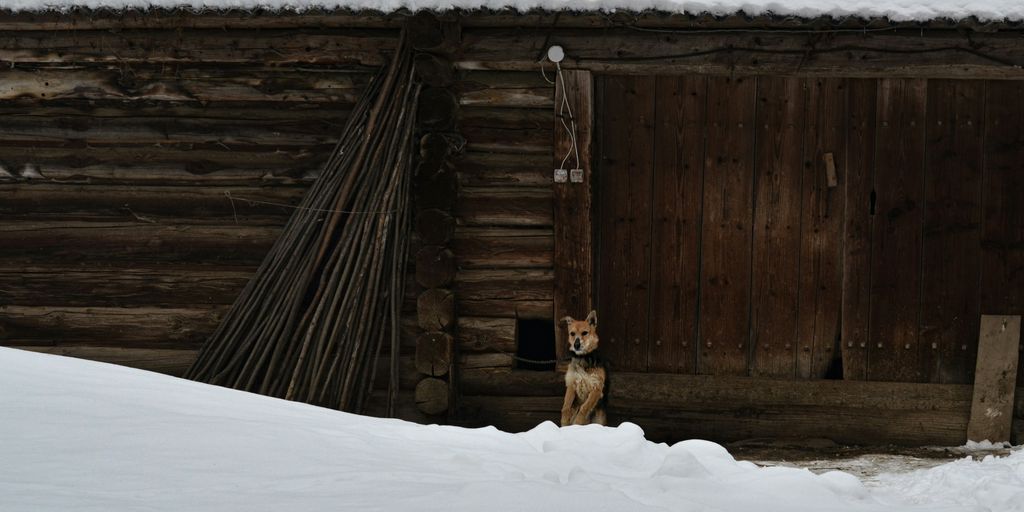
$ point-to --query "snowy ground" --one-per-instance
(78, 435)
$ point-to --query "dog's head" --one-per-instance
(582, 334)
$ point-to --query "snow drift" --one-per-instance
(81, 435)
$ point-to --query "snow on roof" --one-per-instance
(895, 10)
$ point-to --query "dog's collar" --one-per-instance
(588, 360)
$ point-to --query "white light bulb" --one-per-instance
(556, 54)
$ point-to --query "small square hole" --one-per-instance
(535, 340)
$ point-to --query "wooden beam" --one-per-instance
(994, 379)
(573, 214)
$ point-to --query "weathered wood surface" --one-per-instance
(781, 113)
(153, 204)
(624, 219)
(1002, 236)
(505, 206)
(133, 240)
(135, 327)
(728, 213)
(486, 334)
(435, 309)
(670, 407)
(896, 236)
(951, 248)
(168, 361)
(877, 55)
(503, 247)
(433, 353)
(503, 170)
(140, 285)
(432, 396)
(573, 202)
(858, 215)
(675, 225)
(995, 379)
(820, 278)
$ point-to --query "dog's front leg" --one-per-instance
(583, 415)
(570, 397)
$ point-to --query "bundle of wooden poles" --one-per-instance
(310, 325)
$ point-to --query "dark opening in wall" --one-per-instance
(835, 368)
(535, 340)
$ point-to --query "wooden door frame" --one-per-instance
(573, 205)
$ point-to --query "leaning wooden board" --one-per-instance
(995, 378)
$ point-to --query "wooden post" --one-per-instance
(995, 379)
(573, 232)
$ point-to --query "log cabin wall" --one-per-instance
(671, 406)
(127, 249)
(149, 161)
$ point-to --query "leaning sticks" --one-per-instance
(310, 325)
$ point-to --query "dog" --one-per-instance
(587, 377)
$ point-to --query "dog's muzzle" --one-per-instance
(576, 345)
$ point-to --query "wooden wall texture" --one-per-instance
(121, 151)
(749, 225)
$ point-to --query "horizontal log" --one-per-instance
(365, 47)
(505, 207)
(156, 204)
(285, 111)
(104, 243)
(169, 361)
(504, 170)
(498, 89)
(81, 130)
(149, 327)
(943, 54)
(182, 84)
(503, 247)
(168, 165)
(504, 284)
(162, 18)
(478, 361)
(503, 130)
(532, 309)
(482, 334)
(221, 19)
(132, 284)
(673, 407)
(505, 382)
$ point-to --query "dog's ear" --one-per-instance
(567, 320)
(592, 318)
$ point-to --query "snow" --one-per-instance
(896, 10)
(84, 436)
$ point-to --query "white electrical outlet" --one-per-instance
(576, 175)
(561, 175)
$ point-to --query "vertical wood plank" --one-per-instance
(897, 230)
(1002, 238)
(726, 226)
(678, 173)
(860, 164)
(573, 246)
(780, 114)
(625, 210)
(821, 227)
(998, 354)
(951, 251)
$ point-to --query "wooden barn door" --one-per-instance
(765, 226)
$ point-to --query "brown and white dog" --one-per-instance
(587, 376)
